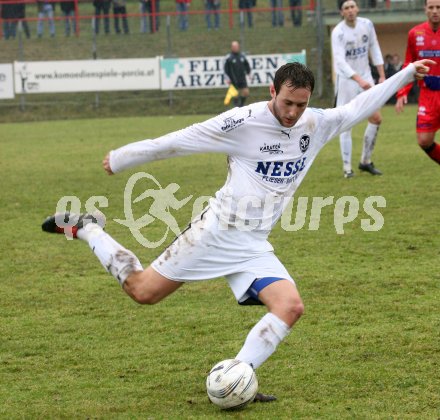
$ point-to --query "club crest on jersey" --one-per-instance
(272, 149)
(304, 142)
(364, 38)
(230, 124)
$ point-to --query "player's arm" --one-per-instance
(247, 66)
(106, 164)
(199, 138)
(410, 55)
(376, 54)
(362, 106)
(226, 68)
(401, 101)
(381, 71)
(229, 72)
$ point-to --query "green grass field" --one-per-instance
(74, 346)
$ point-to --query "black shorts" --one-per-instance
(241, 85)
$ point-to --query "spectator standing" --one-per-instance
(182, 7)
(388, 66)
(102, 7)
(68, 9)
(296, 12)
(149, 10)
(45, 12)
(397, 63)
(277, 13)
(212, 8)
(390, 70)
(145, 9)
(21, 16)
(8, 15)
(353, 41)
(246, 7)
(237, 69)
(120, 12)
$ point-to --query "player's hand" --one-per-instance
(106, 164)
(381, 79)
(401, 101)
(364, 84)
(422, 68)
(361, 82)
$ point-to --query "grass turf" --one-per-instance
(73, 346)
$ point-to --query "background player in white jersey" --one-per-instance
(354, 41)
(270, 147)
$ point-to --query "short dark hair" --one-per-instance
(341, 3)
(294, 75)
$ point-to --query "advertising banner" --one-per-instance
(6, 81)
(86, 75)
(207, 72)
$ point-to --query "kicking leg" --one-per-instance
(149, 287)
(143, 286)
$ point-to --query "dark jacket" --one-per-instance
(9, 11)
(21, 10)
(236, 68)
(67, 6)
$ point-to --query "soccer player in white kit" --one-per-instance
(270, 145)
(353, 41)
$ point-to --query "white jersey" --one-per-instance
(352, 47)
(267, 162)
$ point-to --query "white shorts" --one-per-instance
(348, 89)
(206, 250)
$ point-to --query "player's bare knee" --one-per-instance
(424, 142)
(375, 119)
(296, 308)
(141, 296)
(136, 287)
(291, 310)
(144, 297)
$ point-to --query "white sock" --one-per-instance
(262, 340)
(345, 142)
(369, 142)
(117, 260)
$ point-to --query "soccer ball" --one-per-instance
(231, 384)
